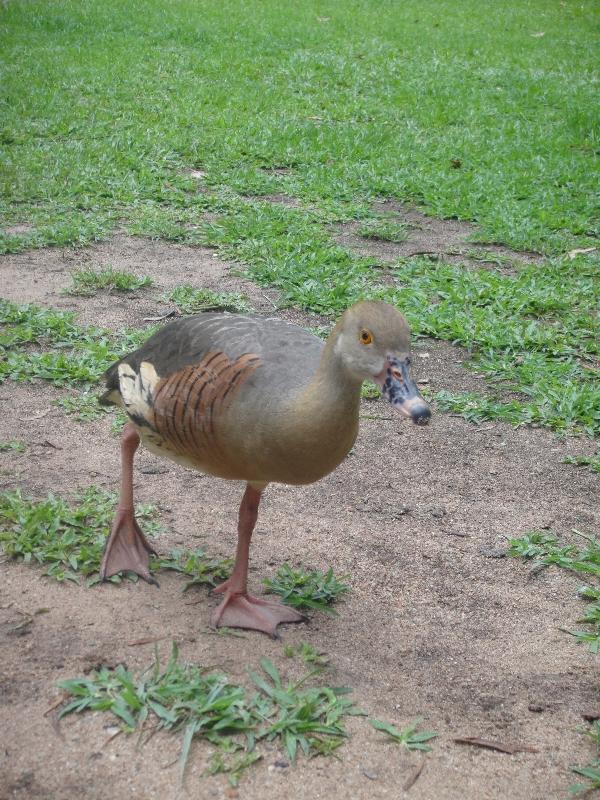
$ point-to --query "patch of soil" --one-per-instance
(280, 198)
(438, 624)
(19, 229)
(449, 239)
(42, 276)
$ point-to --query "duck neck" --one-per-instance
(333, 388)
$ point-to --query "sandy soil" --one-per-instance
(438, 624)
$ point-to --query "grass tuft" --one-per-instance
(545, 550)
(408, 737)
(12, 446)
(199, 703)
(79, 355)
(305, 719)
(196, 565)
(307, 653)
(192, 301)
(67, 538)
(84, 407)
(592, 463)
(306, 589)
(88, 282)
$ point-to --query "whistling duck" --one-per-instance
(254, 399)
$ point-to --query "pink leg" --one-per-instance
(239, 609)
(127, 549)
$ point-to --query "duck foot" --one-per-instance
(127, 549)
(253, 613)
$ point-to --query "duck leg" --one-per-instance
(238, 609)
(127, 549)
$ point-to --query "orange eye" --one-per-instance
(366, 337)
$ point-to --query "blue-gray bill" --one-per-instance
(398, 387)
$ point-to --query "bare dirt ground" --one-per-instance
(438, 623)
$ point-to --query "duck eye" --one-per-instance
(366, 337)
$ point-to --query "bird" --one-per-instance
(255, 399)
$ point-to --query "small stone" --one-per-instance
(492, 552)
(400, 512)
(281, 764)
(535, 707)
(368, 773)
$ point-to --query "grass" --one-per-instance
(84, 407)
(592, 463)
(201, 569)
(462, 109)
(304, 589)
(526, 334)
(467, 113)
(192, 301)
(491, 99)
(78, 356)
(199, 703)
(592, 774)
(88, 282)
(12, 446)
(68, 538)
(409, 737)
(307, 653)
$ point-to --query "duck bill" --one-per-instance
(398, 387)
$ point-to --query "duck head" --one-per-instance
(373, 343)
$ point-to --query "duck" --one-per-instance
(255, 399)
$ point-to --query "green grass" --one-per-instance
(409, 737)
(304, 589)
(201, 569)
(47, 344)
(88, 282)
(192, 301)
(369, 391)
(591, 773)
(460, 108)
(307, 653)
(591, 463)
(374, 101)
(12, 446)
(526, 333)
(84, 407)
(68, 538)
(199, 703)
(65, 537)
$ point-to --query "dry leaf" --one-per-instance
(580, 251)
(149, 640)
(414, 776)
(511, 749)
